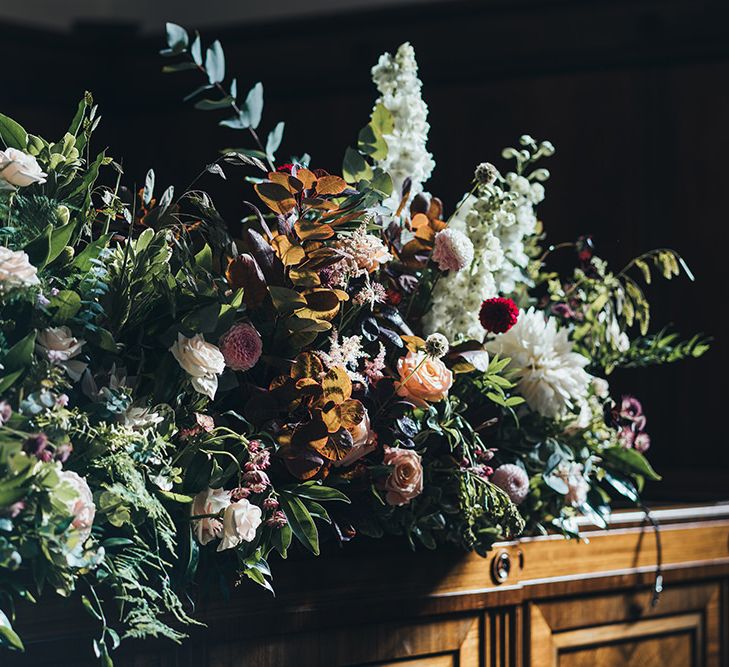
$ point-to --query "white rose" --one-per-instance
(16, 270)
(82, 505)
(19, 169)
(240, 522)
(211, 501)
(202, 361)
(60, 346)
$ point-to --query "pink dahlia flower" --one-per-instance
(453, 250)
(241, 346)
(513, 480)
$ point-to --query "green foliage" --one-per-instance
(246, 114)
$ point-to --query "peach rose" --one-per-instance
(428, 384)
(406, 479)
(364, 441)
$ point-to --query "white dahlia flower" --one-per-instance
(551, 377)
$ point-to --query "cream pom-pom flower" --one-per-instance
(551, 376)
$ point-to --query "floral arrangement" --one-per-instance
(179, 403)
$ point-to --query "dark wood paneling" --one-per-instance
(564, 603)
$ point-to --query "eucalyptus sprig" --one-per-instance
(246, 115)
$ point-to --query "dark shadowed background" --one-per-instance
(634, 95)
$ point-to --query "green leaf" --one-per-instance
(84, 260)
(178, 67)
(59, 240)
(148, 187)
(371, 139)
(196, 50)
(204, 258)
(80, 112)
(215, 62)
(273, 141)
(623, 486)
(630, 460)
(281, 539)
(286, 300)
(316, 491)
(7, 380)
(355, 168)
(317, 511)
(39, 249)
(8, 636)
(12, 134)
(177, 37)
(214, 105)
(175, 497)
(302, 525)
(82, 192)
(20, 355)
(90, 608)
(67, 303)
(252, 108)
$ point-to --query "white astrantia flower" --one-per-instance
(396, 78)
(550, 375)
(16, 270)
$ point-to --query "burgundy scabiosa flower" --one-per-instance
(241, 346)
(498, 315)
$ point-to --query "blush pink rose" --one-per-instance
(423, 379)
(406, 479)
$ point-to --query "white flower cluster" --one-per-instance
(497, 220)
(519, 223)
(396, 78)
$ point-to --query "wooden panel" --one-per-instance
(503, 637)
(575, 600)
(623, 629)
(439, 643)
(674, 651)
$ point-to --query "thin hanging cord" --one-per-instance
(658, 581)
